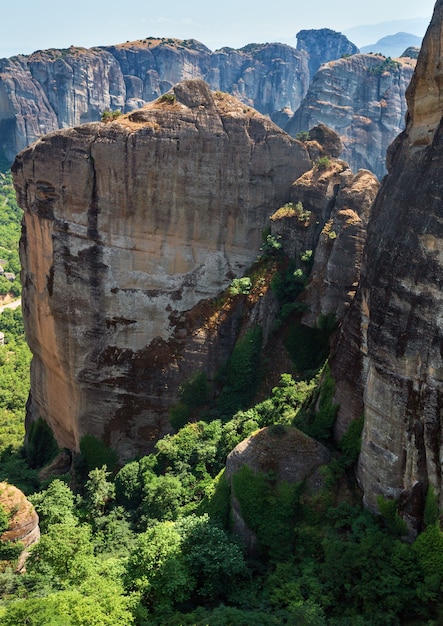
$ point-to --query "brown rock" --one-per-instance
(388, 360)
(23, 519)
(286, 452)
(332, 227)
(130, 227)
(52, 89)
(283, 454)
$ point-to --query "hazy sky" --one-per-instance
(32, 25)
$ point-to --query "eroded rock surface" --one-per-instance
(363, 99)
(23, 519)
(389, 360)
(130, 229)
(324, 45)
(327, 233)
(52, 89)
(284, 454)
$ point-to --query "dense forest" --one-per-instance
(151, 542)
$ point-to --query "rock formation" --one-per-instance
(329, 225)
(53, 89)
(287, 454)
(362, 98)
(130, 228)
(324, 45)
(23, 519)
(388, 361)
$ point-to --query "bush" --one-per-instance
(240, 286)
(269, 508)
(350, 443)
(242, 373)
(110, 116)
(41, 446)
(94, 453)
(322, 163)
(169, 98)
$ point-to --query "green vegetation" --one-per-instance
(10, 219)
(151, 542)
(292, 210)
(240, 286)
(242, 373)
(387, 65)
(168, 97)
(110, 116)
(303, 136)
(322, 163)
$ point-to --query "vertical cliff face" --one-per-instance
(331, 229)
(130, 229)
(52, 89)
(363, 99)
(389, 361)
(25, 112)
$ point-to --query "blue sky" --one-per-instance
(31, 25)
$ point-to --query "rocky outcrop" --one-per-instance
(23, 520)
(363, 99)
(130, 228)
(324, 45)
(388, 362)
(283, 454)
(53, 89)
(324, 230)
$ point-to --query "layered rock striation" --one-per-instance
(52, 89)
(389, 359)
(362, 98)
(130, 229)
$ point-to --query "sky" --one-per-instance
(36, 25)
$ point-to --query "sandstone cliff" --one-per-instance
(130, 229)
(388, 362)
(23, 520)
(324, 230)
(363, 99)
(52, 89)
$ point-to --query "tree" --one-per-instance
(214, 561)
(99, 491)
(156, 570)
(64, 556)
(55, 505)
(99, 602)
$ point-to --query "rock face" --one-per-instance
(388, 361)
(130, 228)
(363, 99)
(290, 456)
(23, 519)
(53, 89)
(324, 45)
(331, 228)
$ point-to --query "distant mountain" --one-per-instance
(394, 45)
(366, 34)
